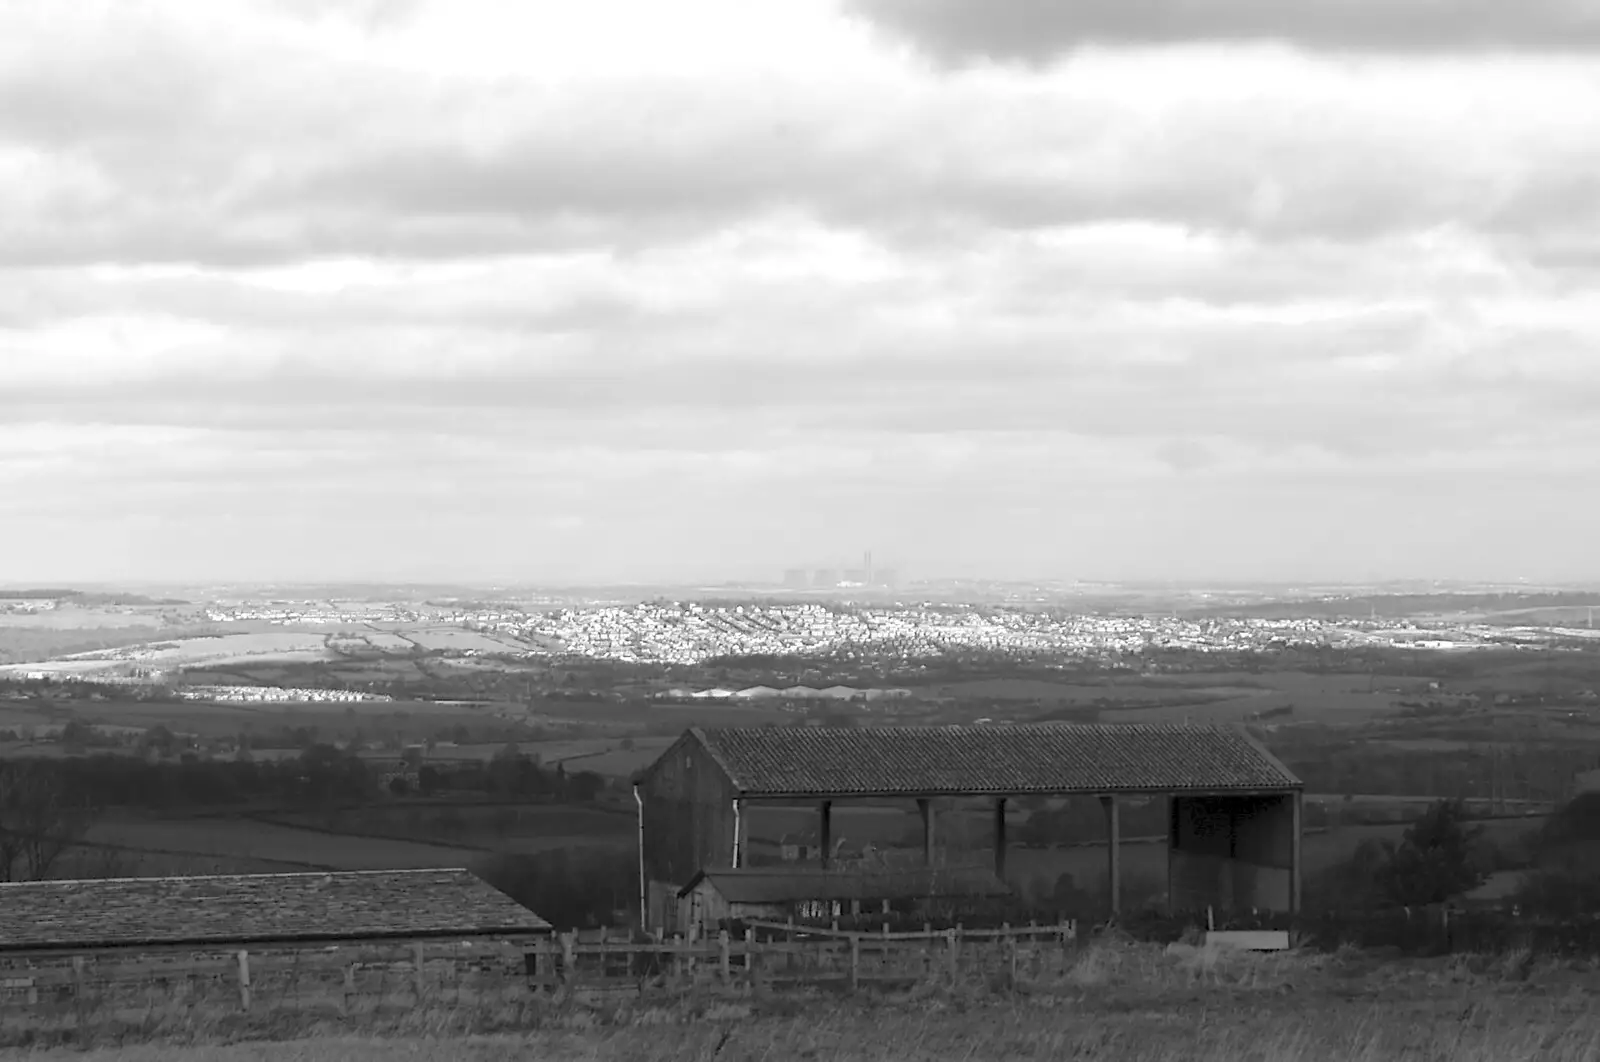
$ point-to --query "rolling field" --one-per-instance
(226, 720)
(503, 827)
(233, 839)
(456, 640)
(79, 619)
(1316, 698)
(1200, 698)
(610, 760)
(1087, 863)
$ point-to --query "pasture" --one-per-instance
(456, 640)
(236, 839)
(604, 756)
(1336, 698)
(214, 650)
(1213, 697)
(83, 619)
(1147, 859)
(520, 828)
(415, 718)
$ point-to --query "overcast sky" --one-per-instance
(475, 290)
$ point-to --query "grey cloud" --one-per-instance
(1259, 386)
(235, 159)
(1038, 31)
(371, 15)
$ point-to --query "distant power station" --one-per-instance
(834, 578)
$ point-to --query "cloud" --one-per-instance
(1038, 31)
(276, 275)
(142, 138)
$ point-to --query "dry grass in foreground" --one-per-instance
(1123, 1002)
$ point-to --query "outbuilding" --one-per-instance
(777, 893)
(259, 912)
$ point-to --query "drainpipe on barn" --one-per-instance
(644, 919)
(736, 834)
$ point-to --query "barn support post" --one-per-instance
(825, 832)
(925, 809)
(80, 1002)
(1113, 855)
(244, 980)
(1000, 838)
(1297, 800)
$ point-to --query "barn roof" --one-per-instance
(256, 908)
(992, 760)
(799, 884)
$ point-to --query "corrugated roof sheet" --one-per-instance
(242, 908)
(934, 761)
(799, 884)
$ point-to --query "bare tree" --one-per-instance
(38, 821)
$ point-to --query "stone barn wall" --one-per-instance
(688, 825)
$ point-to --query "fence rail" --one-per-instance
(770, 954)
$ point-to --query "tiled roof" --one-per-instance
(935, 761)
(245, 908)
(799, 884)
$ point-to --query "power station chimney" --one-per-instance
(868, 567)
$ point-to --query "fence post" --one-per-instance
(349, 986)
(569, 957)
(244, 980)
(417, 961)
(855, 961)
(1011, 951)
(727, 964)
(79, 1003)
(953, 939)
(750, 960)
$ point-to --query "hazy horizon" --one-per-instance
(307, 291)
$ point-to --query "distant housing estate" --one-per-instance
(790, 693)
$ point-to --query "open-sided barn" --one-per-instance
(1234, 810)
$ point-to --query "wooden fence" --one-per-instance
(762, 957)
(769, 956)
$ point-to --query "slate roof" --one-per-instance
(797, 884)
(993, 760)
(256, 908)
